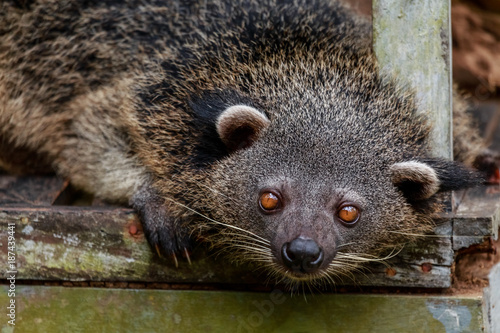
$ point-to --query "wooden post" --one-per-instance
(412, 42)
(492, 301)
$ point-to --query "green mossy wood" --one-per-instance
(103, 243)
(57, 309)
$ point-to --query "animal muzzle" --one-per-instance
(302, 255)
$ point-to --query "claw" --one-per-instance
(158, 251)
(175, 260)
(186, 253)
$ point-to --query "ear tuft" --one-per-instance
(417, 180)
(239, 126)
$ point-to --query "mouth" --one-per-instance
(302, 277)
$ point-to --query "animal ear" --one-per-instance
(420, 180)
(239, 126)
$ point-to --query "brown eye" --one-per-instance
(348, 214)
(269, 201)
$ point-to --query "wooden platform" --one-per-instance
(61, 242)
(105, 243)
(57, 309)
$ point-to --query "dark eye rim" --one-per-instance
(275, 193)
(347, 204)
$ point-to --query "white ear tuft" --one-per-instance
(417, 180)
(238, 126)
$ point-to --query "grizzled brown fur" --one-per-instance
(131, 100)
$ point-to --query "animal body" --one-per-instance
(263, 124)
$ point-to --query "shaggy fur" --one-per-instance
(124, 98)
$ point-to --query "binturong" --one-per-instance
(263, 126)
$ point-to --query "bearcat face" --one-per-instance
(323, 168)
(308, 213)
(319, 190)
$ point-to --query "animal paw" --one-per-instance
(164, 233)
(489, 164)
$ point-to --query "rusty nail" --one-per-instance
(132, 229)
(426, 267)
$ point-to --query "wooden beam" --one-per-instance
(412, 42)
(106, 244)
(477, 217)
(59, 309)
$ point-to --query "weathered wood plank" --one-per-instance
(412, 42)
(477, 217)
(425, 263)
(95, 244)
(30, 191)
(56, 309)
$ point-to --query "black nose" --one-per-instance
(302, 255)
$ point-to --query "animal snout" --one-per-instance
(302, 255)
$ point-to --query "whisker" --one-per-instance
(419, 235)
(244, 239)
(347, 274)
(330, 279)
(220, 193)
(214, 221)
(346, 244)
(245, 245)
(253, 249)
(432, 236)
(365, 257)
(344, 270)
(268, 243)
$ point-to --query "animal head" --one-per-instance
(314, 190)
(314, 164)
